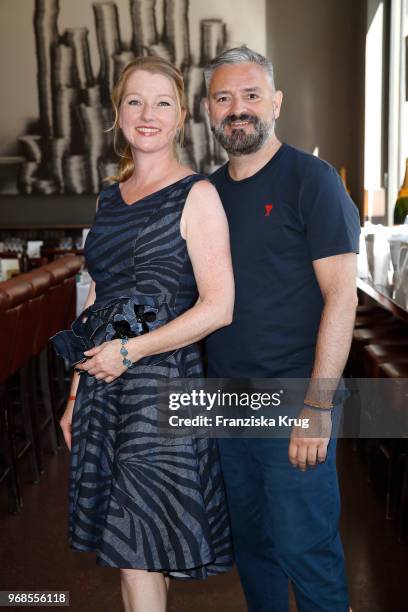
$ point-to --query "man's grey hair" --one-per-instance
(238, 55)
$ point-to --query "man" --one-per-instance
(294, 239)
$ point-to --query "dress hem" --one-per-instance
(168, 571)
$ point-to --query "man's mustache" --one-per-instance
(245, 117)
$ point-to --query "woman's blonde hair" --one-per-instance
(155, 65)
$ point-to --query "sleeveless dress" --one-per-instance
(138, 499)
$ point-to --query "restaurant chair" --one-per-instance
(384, 351)
(8, 453)
(41, 280)
(389, 330)
(57, 299)
(19, 293)
(393, 450)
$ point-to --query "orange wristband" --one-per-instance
(319, 405)
(72, 397)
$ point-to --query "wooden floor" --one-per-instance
(34, 553)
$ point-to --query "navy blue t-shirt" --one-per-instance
(292, 211)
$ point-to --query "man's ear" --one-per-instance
(206, 105)
(277, 103)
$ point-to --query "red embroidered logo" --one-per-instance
(268, 208)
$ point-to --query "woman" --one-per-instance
(152, 506)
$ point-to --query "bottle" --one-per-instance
(25, 260)
(401, 205)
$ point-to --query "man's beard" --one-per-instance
(238, 142)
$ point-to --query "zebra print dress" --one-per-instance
(136, 498)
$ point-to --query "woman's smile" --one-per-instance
(145, 130)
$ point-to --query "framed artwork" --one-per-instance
(60, 59)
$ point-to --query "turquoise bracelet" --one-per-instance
(123, 351)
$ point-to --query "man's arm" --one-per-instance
(337, 281)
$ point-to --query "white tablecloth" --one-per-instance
(82, 294)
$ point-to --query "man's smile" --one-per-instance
(240, 123)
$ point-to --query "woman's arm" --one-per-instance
(66, 419)
(205, 229)
(89, 300)
(75, 376)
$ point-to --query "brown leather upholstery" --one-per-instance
(395, 392)
(8, 326)
(387, 351)
(364, 309)
(4, 300)
(373, 319)
(33, 306)
(40, 280)
(394, 370)
(389, 331)
(365, 335)
(57, 296)
(19, 293)
(63, 302)
(37, 305)
(74, 264)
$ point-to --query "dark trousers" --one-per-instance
(284, 526)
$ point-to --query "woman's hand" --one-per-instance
(104, 361)
(66, 422)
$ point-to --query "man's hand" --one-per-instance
(312, 449)
(104, 361)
